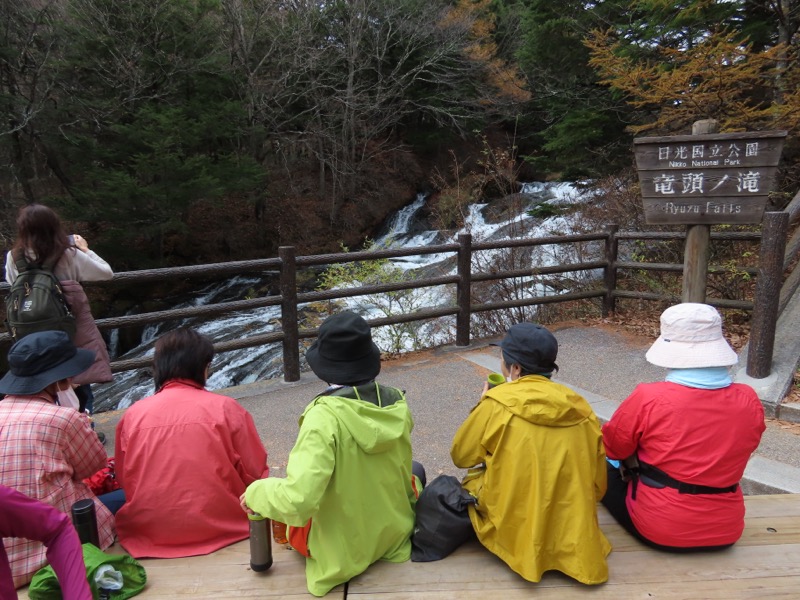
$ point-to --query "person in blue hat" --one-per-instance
(536, 464)
(47, 450)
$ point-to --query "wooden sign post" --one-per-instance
(706, 179)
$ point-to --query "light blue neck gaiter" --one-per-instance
(706, 378)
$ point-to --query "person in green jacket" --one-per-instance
(348, 495)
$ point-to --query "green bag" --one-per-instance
(44, 585)
(36, 301)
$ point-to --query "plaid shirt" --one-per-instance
(45, 453)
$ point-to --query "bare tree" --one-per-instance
(339, 78)
(28, 49)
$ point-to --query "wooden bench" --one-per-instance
(764, 564)
(225, 574)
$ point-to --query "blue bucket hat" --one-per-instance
(42, 358)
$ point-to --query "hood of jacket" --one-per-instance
(374, 429)
(539, 400)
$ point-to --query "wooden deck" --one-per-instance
(764, 564)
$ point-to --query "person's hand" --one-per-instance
(485, 388)
(245, 508)
(81, 243)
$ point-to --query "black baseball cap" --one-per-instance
(530, 346)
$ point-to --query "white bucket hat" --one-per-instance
(691, 337)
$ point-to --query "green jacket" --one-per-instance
(44, 585)
(350, 472)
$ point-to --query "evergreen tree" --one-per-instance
(148, 113)
(29, 51)
(701, 64)
(580, 124)
(735, 62)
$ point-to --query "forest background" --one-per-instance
(188, 131)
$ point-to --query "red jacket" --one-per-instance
(697, 436)
(184, 456)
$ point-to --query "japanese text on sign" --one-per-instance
(708, 178)
(707, 155)
(693, 183)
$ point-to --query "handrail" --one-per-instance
(287, 264)
(730, 236)
(541, 241)
(791, 254)
(344, 257)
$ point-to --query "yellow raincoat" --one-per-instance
(544, 473)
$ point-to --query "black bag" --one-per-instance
(36, 301)
(442, 522)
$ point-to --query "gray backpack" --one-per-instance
(36, 301)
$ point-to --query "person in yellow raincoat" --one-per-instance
(536, 464)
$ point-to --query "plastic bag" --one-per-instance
(442, 520)
(107, 580)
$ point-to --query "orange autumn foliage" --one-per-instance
(504, 78)
(720, 78)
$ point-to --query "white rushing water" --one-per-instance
(404, 229)
(514, 222)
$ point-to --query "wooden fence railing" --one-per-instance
(606, 257)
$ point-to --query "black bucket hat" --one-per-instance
(42, 358)
(530, 346)
(344, 352)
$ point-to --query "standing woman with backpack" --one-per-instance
(43, 243)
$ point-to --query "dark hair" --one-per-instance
(522, 370)
(39, 231)
(182, 354)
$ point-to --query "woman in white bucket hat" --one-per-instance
(686, 440)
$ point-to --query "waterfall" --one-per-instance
(402, 230)
(399, 224)
(231, 368)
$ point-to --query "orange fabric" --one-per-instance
(414, 486)
(298, 538)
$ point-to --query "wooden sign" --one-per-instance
(707, 179)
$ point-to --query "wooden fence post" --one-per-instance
(768, 288)
(464, 289)
(610, 275)
(698, 238)
(291, 337)
(695, 262)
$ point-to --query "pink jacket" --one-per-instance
(87, 335)
(183, 457)
(24, 517)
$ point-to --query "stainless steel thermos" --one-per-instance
(260, 543)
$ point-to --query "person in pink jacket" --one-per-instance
(41, 238)
(24, 517)
(183, 458)
(687, 440)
